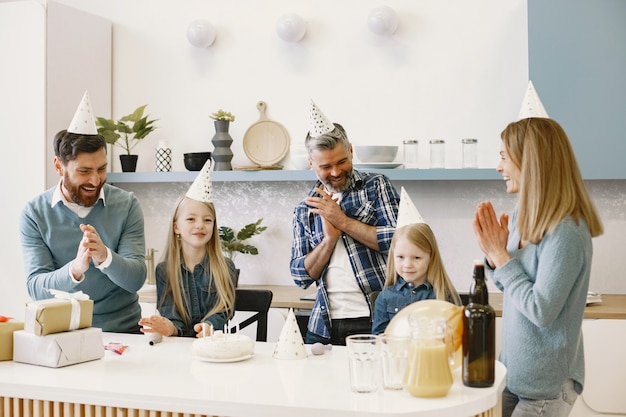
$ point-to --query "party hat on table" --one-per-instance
(290, 344)
(532, 106)
(83, 122)
(407, 212)
(319, 122)
(202, 188)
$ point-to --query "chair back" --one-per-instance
(257, 301)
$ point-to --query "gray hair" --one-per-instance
(327, 141)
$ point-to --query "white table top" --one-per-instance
(165, 377)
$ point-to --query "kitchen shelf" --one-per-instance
(301, 175)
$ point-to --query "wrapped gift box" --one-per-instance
(6, 338)
(58, 349)
(55, 315)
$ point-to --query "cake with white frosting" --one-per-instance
(223, 346)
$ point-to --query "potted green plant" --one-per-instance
(126, 133)
(237, 242)
(223, 115)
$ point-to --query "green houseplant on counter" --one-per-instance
(126, 133)
(237, 242)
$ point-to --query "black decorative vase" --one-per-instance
(129, 162)
(222, 155)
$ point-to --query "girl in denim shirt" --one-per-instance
(195, 282)
(415, 272)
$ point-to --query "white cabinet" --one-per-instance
(51, 54)
(605, 369)
(23, 118)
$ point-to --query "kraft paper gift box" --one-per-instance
(58, 349)
(55, 315)
(6, 338)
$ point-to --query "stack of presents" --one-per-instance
(56, 332)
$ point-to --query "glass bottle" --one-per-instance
(479, 334)
(431, 351)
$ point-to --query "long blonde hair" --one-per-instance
(422, 236)
(220, 273)
(551, 186)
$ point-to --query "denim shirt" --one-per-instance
(372, 200)
(200, 296)
(393, 299)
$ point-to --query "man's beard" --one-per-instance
(75, 193)
(340, 189)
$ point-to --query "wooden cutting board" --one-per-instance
(266, 142)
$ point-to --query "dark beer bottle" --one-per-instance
(479, 334)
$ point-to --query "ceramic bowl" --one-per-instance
(194, 161)
(376, 153)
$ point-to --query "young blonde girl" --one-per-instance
(415, 272)
(195, 282)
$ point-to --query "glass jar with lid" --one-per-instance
(437, 153)
(470, 153)
(411, 155)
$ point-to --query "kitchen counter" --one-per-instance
(613, 306)
(166, 378)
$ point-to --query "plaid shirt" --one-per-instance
(372, 200)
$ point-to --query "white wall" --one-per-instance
(454, 69)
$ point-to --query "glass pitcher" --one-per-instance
(431, 354)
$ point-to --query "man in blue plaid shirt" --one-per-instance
(341, 235)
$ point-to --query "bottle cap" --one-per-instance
(479, 269)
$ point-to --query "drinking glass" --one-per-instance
(394, 352)
(364, 356)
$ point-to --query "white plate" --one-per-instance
(223, 360)
(379, 165)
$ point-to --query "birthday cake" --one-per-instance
(223, 346)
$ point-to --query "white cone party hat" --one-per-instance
(407, 212)
(290, 344)
(83, 122)
(319, 122)
(202, 188)
(532, 106)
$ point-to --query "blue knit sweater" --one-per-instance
(545, 289)
(50, 238)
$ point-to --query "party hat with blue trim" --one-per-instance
(532, 106)
(202, 188)
(319, 122)
(83, 122)
(407, 212)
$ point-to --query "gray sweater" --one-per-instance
(545, 288)
(50, 238)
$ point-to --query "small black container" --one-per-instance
(194, 161)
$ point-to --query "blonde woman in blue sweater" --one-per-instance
(542, 265)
